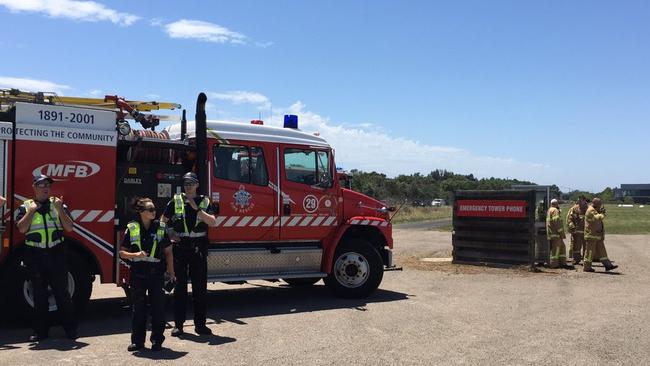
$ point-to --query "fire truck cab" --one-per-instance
(280, 211)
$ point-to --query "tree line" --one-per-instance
(441, 183)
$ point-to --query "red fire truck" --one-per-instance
(281, 213)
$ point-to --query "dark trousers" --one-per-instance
(151, 282)
(48, 267)
(190, 256)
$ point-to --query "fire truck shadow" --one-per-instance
(236, 305)
(109, 316)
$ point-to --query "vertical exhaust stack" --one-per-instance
(201, 130)
(183, 126)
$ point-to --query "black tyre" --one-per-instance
(83, 281)
(357, 269)
(301, 282)
(20, 288)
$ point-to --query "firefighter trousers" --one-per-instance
(145, 283)
(47, 267)
(577, 246)
(596, 251)
(558, 253)
(190, 257)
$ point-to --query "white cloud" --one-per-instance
(243, 97)
(368, 148)
(203, 31)
(96, 93)
(32, 85)
(89, 11)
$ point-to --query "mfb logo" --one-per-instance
(69, 169)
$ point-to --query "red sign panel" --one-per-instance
(491, 208)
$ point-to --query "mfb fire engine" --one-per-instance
(280, 210)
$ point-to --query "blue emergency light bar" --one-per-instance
(290, 121)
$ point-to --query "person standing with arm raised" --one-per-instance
(43, 220)
(189, 215)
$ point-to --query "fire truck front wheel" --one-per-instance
(357, 270)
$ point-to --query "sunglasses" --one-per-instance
(150, 209)
(44, 185)
(189, 183)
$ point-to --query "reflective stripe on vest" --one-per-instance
(179, 209)
(134, 237)
(44, 228)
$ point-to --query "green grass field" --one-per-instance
(623, 220)
(414, 214)
(619, 220)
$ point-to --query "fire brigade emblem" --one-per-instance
(243, 201)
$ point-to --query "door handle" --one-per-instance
(287, 209)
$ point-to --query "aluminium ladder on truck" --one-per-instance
(125, 109)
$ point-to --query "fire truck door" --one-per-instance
(310, 206)
(241, 185)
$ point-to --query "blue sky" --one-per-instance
(557, 92)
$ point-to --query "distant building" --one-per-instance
(640, 193)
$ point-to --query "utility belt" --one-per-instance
(45, 245)
(44, 249)
(192, 234)
(145, 259)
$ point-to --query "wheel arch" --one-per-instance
(348, 232)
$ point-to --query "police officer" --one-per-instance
(43, 220)
(145, 241)
(190, 215)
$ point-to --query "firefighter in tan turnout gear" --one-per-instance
(576, 223)
(555, 235)
(595, 237)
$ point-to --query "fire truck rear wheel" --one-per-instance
(79, 286)
(357, 269)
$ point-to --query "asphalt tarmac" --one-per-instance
(429, 313)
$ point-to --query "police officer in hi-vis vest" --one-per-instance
(190, 215)
(148, 248)
(43, 220)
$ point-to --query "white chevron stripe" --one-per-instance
(354, 222)
(385, 223)
(295, 220)
(375, 223)
(244, 221)
(269, 221)
(231, 221)
(220, 220)
(108, 216)
(91, 215)
(317, 221)
(329, 221)
(257, 221)
(284, 219)
(306, 221)
(76, 213)
(364, 222)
